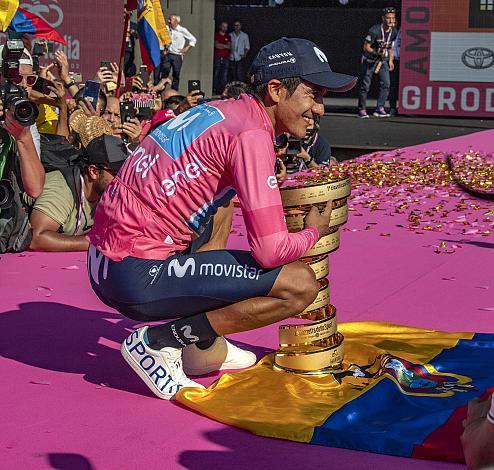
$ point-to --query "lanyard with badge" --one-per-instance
(385, 46)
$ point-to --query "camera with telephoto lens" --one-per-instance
(6, 194)
(13, 96)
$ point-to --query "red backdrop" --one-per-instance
(447, 58)
(92, 28)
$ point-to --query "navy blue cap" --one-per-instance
(295, 57)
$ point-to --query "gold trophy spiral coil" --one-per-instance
(313, 345)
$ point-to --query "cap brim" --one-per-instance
(333, 81)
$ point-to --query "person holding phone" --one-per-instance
(126, 125)
(172, 58)
(157, 247)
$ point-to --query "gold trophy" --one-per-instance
(312, 344)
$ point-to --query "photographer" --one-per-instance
(59, 223)
(314, 150)
(21, 171)
(378, 60)
(130, 130)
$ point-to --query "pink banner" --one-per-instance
(447, 58)
(92, 28)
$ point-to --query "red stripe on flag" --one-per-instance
(42, 28)
(444, 443)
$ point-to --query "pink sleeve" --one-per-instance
(252, 164)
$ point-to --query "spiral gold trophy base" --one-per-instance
(315, 346)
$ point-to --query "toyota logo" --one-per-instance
(478, 58)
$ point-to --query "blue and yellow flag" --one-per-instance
(7, 12)
(152, 30)
(403, 391)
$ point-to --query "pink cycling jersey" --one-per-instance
(174, 182)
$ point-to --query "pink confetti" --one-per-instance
(449, 278)
(47, 290)
(40, 382)
(486, 309)
(482, 287)
(72, 267)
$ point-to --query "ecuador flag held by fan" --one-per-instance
(7, 12)
(402, 391)
(26, 22)
(152, 30)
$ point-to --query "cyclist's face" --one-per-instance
(295, 113)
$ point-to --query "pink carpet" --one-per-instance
(70, 402)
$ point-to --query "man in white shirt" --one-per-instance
(173, 57)
(239, 49)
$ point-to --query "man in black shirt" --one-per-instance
(378, 60)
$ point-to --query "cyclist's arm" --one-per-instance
(252, 166)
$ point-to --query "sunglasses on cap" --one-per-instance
(389, 10)
(30, 79)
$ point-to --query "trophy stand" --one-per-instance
(312, 345)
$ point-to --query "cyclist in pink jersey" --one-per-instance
(157, 244)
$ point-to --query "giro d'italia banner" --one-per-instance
(447, 57)
(402, 391)
(92, 28)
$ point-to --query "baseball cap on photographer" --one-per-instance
(107, 151)
(295, 57)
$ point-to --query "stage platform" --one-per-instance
(351, 136)
(69, 401)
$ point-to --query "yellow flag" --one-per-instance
(7, 12)
(159, 18)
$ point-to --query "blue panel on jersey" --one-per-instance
(199, 219)
(176, 135)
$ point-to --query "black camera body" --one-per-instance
(13, 96)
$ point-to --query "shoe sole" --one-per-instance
(381, 116)
(138, 370)
(215, 369)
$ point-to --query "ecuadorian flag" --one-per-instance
(7, 12)
(403, 391)
(26, 22)
(152, 30)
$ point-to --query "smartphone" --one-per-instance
(42, 85)
(194, 85)
(91, 92)
(204, 100)
(105, 64)
(40, 48)
(143, 72)
(76, 77)
(127, 111)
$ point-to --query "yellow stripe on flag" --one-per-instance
(160, 23)
(289, 406)
(7, 12)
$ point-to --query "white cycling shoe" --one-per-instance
(160, 370)
(220, 355)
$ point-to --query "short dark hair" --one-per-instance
(235, 89)
(175, 99)
(290, 84)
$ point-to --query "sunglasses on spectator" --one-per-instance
(30, 79)
(112, 171)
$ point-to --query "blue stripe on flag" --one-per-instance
(385, 420)
(150, 41)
